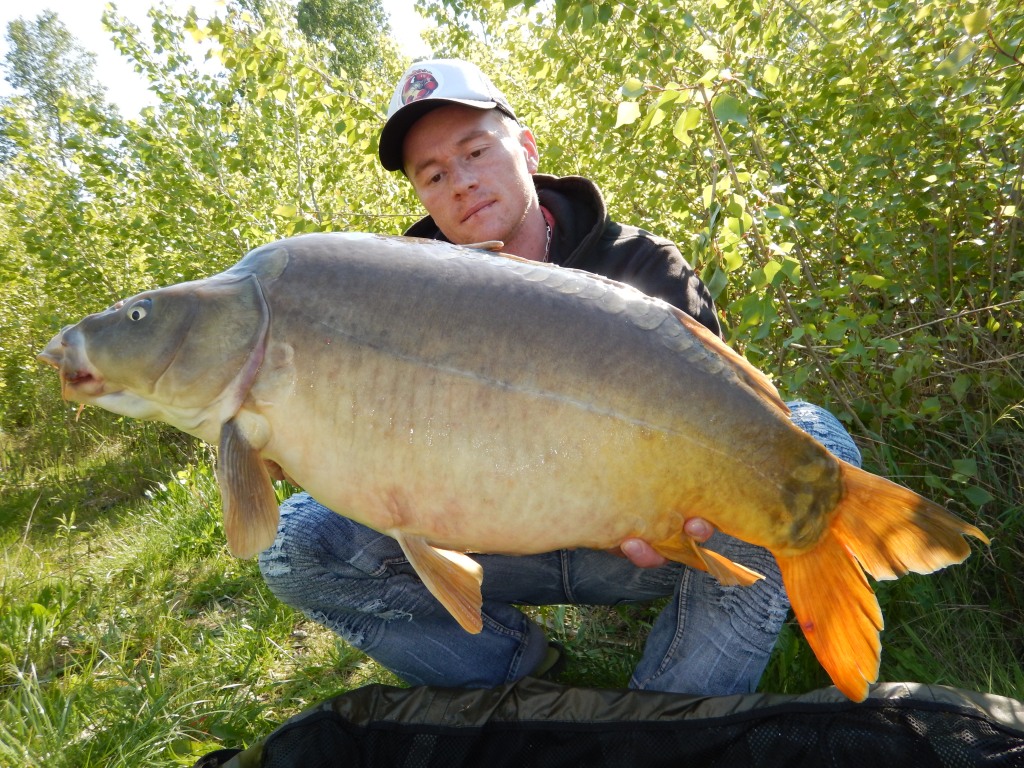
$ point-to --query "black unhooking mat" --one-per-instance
(538, 724)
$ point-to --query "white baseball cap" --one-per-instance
(427, 85)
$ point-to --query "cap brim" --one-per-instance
(393, 136)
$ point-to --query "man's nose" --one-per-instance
(464, 178)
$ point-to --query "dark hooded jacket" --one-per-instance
(585, 238)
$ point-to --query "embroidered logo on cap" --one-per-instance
(419, 85)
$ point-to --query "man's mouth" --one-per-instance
(476, 209)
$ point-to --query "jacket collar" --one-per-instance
(579, 211)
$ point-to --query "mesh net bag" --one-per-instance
(544, 725)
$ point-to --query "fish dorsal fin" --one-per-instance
(250, 504)
(493, 246)
(452, 577)
(266, 262)
(756, 380)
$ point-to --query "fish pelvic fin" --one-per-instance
(683, 549)
(892, 531)
(837, 611)
(452, 577)
(881, 528)
(250, 504)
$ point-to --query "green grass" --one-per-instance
(129, 636)
(135, 639)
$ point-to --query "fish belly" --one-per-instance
(503, 465)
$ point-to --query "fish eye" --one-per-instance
(139, 310)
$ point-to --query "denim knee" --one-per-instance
(826, 429)
(314, 544)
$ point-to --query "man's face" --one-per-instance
(471, 170)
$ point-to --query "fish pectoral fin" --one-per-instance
(250, 504)
(837, 611)
(683, 549)
(452, 577)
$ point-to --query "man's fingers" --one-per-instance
(698, 528)
(641, 554)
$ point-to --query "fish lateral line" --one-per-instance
(508, 386)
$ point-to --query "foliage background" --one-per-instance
(848, 178)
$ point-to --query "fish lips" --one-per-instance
(79, 379)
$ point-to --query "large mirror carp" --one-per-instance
(462, 401)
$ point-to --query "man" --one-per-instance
(474, 168)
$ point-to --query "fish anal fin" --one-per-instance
(250, 504)
(892, 530)
(837, 611)
(683, 549)
(452, 577)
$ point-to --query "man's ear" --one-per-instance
(529, 145)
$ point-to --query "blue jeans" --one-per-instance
(708, 640)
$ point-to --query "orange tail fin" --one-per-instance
(837, 611)
(890, 530)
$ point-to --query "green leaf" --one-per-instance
(960, 387)
(689, 120)
(632, 88)
(628, 113)
(771, 74)
(871, 281)
(776, 212)
(977, 21)
(739, 225)
(952, 63)
(728, 108)
(654, 118)
(965, 467)
(732, 260)
(710, 52)
(791, 268)
(771, 269)
(666, 97)
(717, 282)
(285, 210)
(977, 496)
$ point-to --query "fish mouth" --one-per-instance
(81, 384)
(79, 380)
